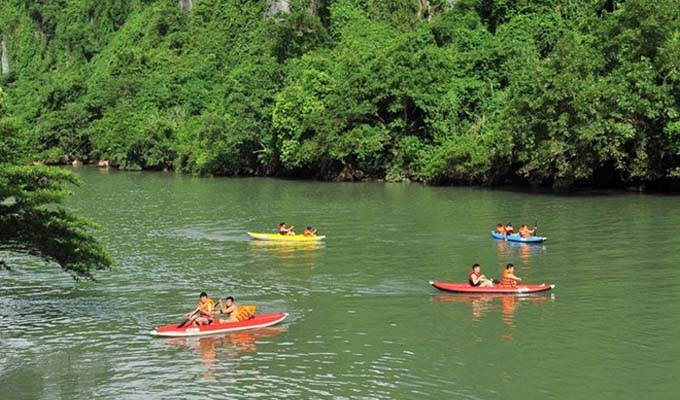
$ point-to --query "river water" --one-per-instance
(364, 322)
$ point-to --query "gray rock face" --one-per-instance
(4, 59)
(279, 6)
(424, 9)
(186, 5)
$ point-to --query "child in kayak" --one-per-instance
(203, 314)
(476, 278)
(509, 279)
(509, 230)
(500, 229)
(309, 231)
(285, 231)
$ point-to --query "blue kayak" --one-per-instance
(517, 238)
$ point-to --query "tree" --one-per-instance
(32, 220)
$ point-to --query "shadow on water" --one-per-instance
(571, 193)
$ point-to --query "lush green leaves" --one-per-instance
(30, 223)
(547, 92)
(31, 218)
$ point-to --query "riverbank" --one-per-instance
(670, 187)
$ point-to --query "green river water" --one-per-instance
(364, 322)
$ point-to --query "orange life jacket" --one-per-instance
(245, 312)
(206, 307)
(506, 280)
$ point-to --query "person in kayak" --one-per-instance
(509, 279)
(235, 313)
(476, 278)
(286, 231)
(525, 232)
(509, 230)
(500, 229)
(230, 309)
(309, 231)
(203, 314)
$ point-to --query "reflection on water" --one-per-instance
(505, 249)
(229, 345)
(304, 254)
(481, 304)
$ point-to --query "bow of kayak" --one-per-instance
(518, 238)
(285, 238)
(258, 321)
(464, 287)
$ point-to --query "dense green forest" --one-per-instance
(561, 93)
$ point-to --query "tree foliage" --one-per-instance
(562, 93)
(32, 220)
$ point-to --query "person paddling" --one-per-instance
(203, 314)
(309, 231)
(477, 279)
(230, 309)
(525, 232)
(235, 313)
(509, 279)
(500, 229)
(286, 231)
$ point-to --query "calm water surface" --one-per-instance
(364, 323)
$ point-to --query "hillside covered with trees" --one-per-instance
(560, 93)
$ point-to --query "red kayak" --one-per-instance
(258, 321)
(465, 287)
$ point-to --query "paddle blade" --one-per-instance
(183, 323)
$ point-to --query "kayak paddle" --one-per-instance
(218, 308)
(536, 227)
(191, 318)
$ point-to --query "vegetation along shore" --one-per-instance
(559, 93)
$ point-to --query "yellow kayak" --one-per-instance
(285, 238)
